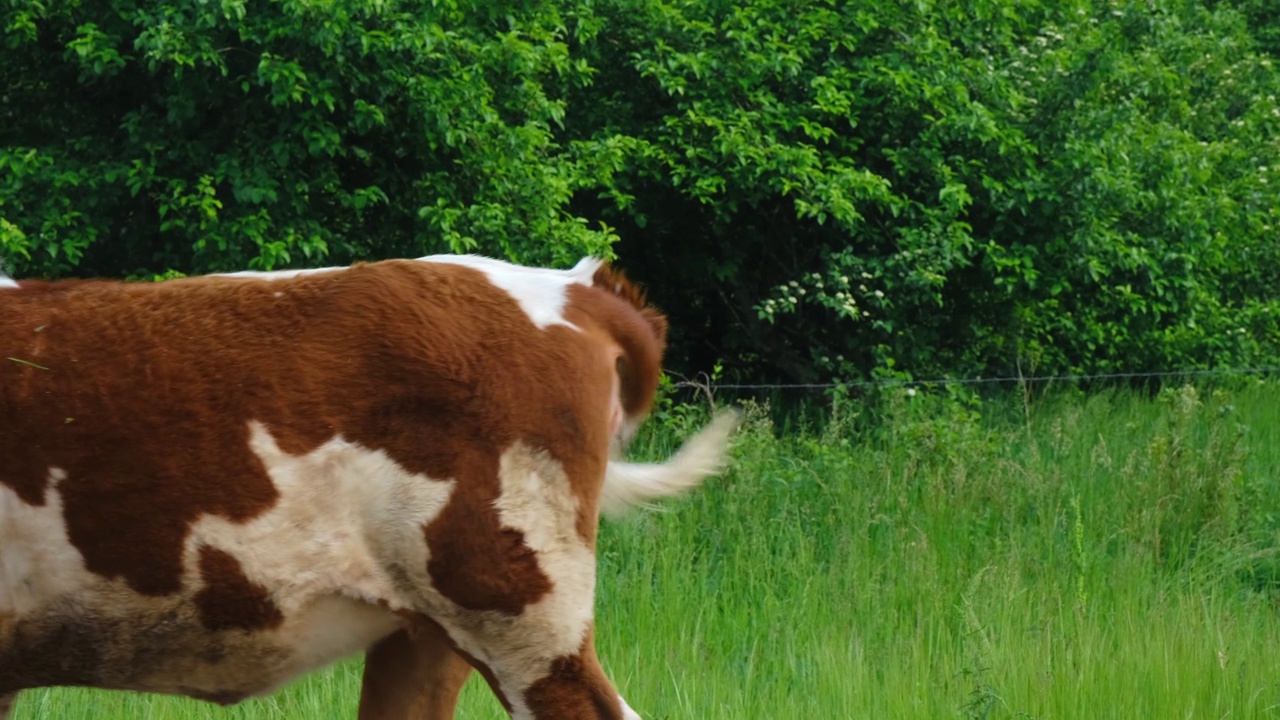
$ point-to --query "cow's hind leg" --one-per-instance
(6, 705)
(412, 677)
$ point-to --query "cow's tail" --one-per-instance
(627, 484)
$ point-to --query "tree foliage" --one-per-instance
(837, 188)
(137, 137)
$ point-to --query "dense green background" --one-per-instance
(812, 189)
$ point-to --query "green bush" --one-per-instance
(137, 137)
(936, 188)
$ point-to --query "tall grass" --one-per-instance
(1101, 556)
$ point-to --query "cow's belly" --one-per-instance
(256, 663)
(163, 646)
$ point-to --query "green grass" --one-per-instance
(1104, 556)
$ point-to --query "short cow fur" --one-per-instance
(211, 485)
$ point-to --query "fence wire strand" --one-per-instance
(705, 385)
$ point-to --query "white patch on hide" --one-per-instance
(37, 560)
(540, 292)
(321, 549)
(275, 274)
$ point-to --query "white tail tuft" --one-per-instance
(629, 484)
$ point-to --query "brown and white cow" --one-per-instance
(211, 485)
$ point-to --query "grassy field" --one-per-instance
(1103, 556)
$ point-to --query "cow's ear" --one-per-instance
(615, 281)
(612, 280)
(658, 322)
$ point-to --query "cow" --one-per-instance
(210, 486)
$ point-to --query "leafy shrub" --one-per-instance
(934, 188)
(138, 137)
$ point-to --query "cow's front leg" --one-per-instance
(510, 576)
(6, 704)
(535, 648)
(537, 686)
(412, 676)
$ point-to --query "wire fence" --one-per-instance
(704, 384)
